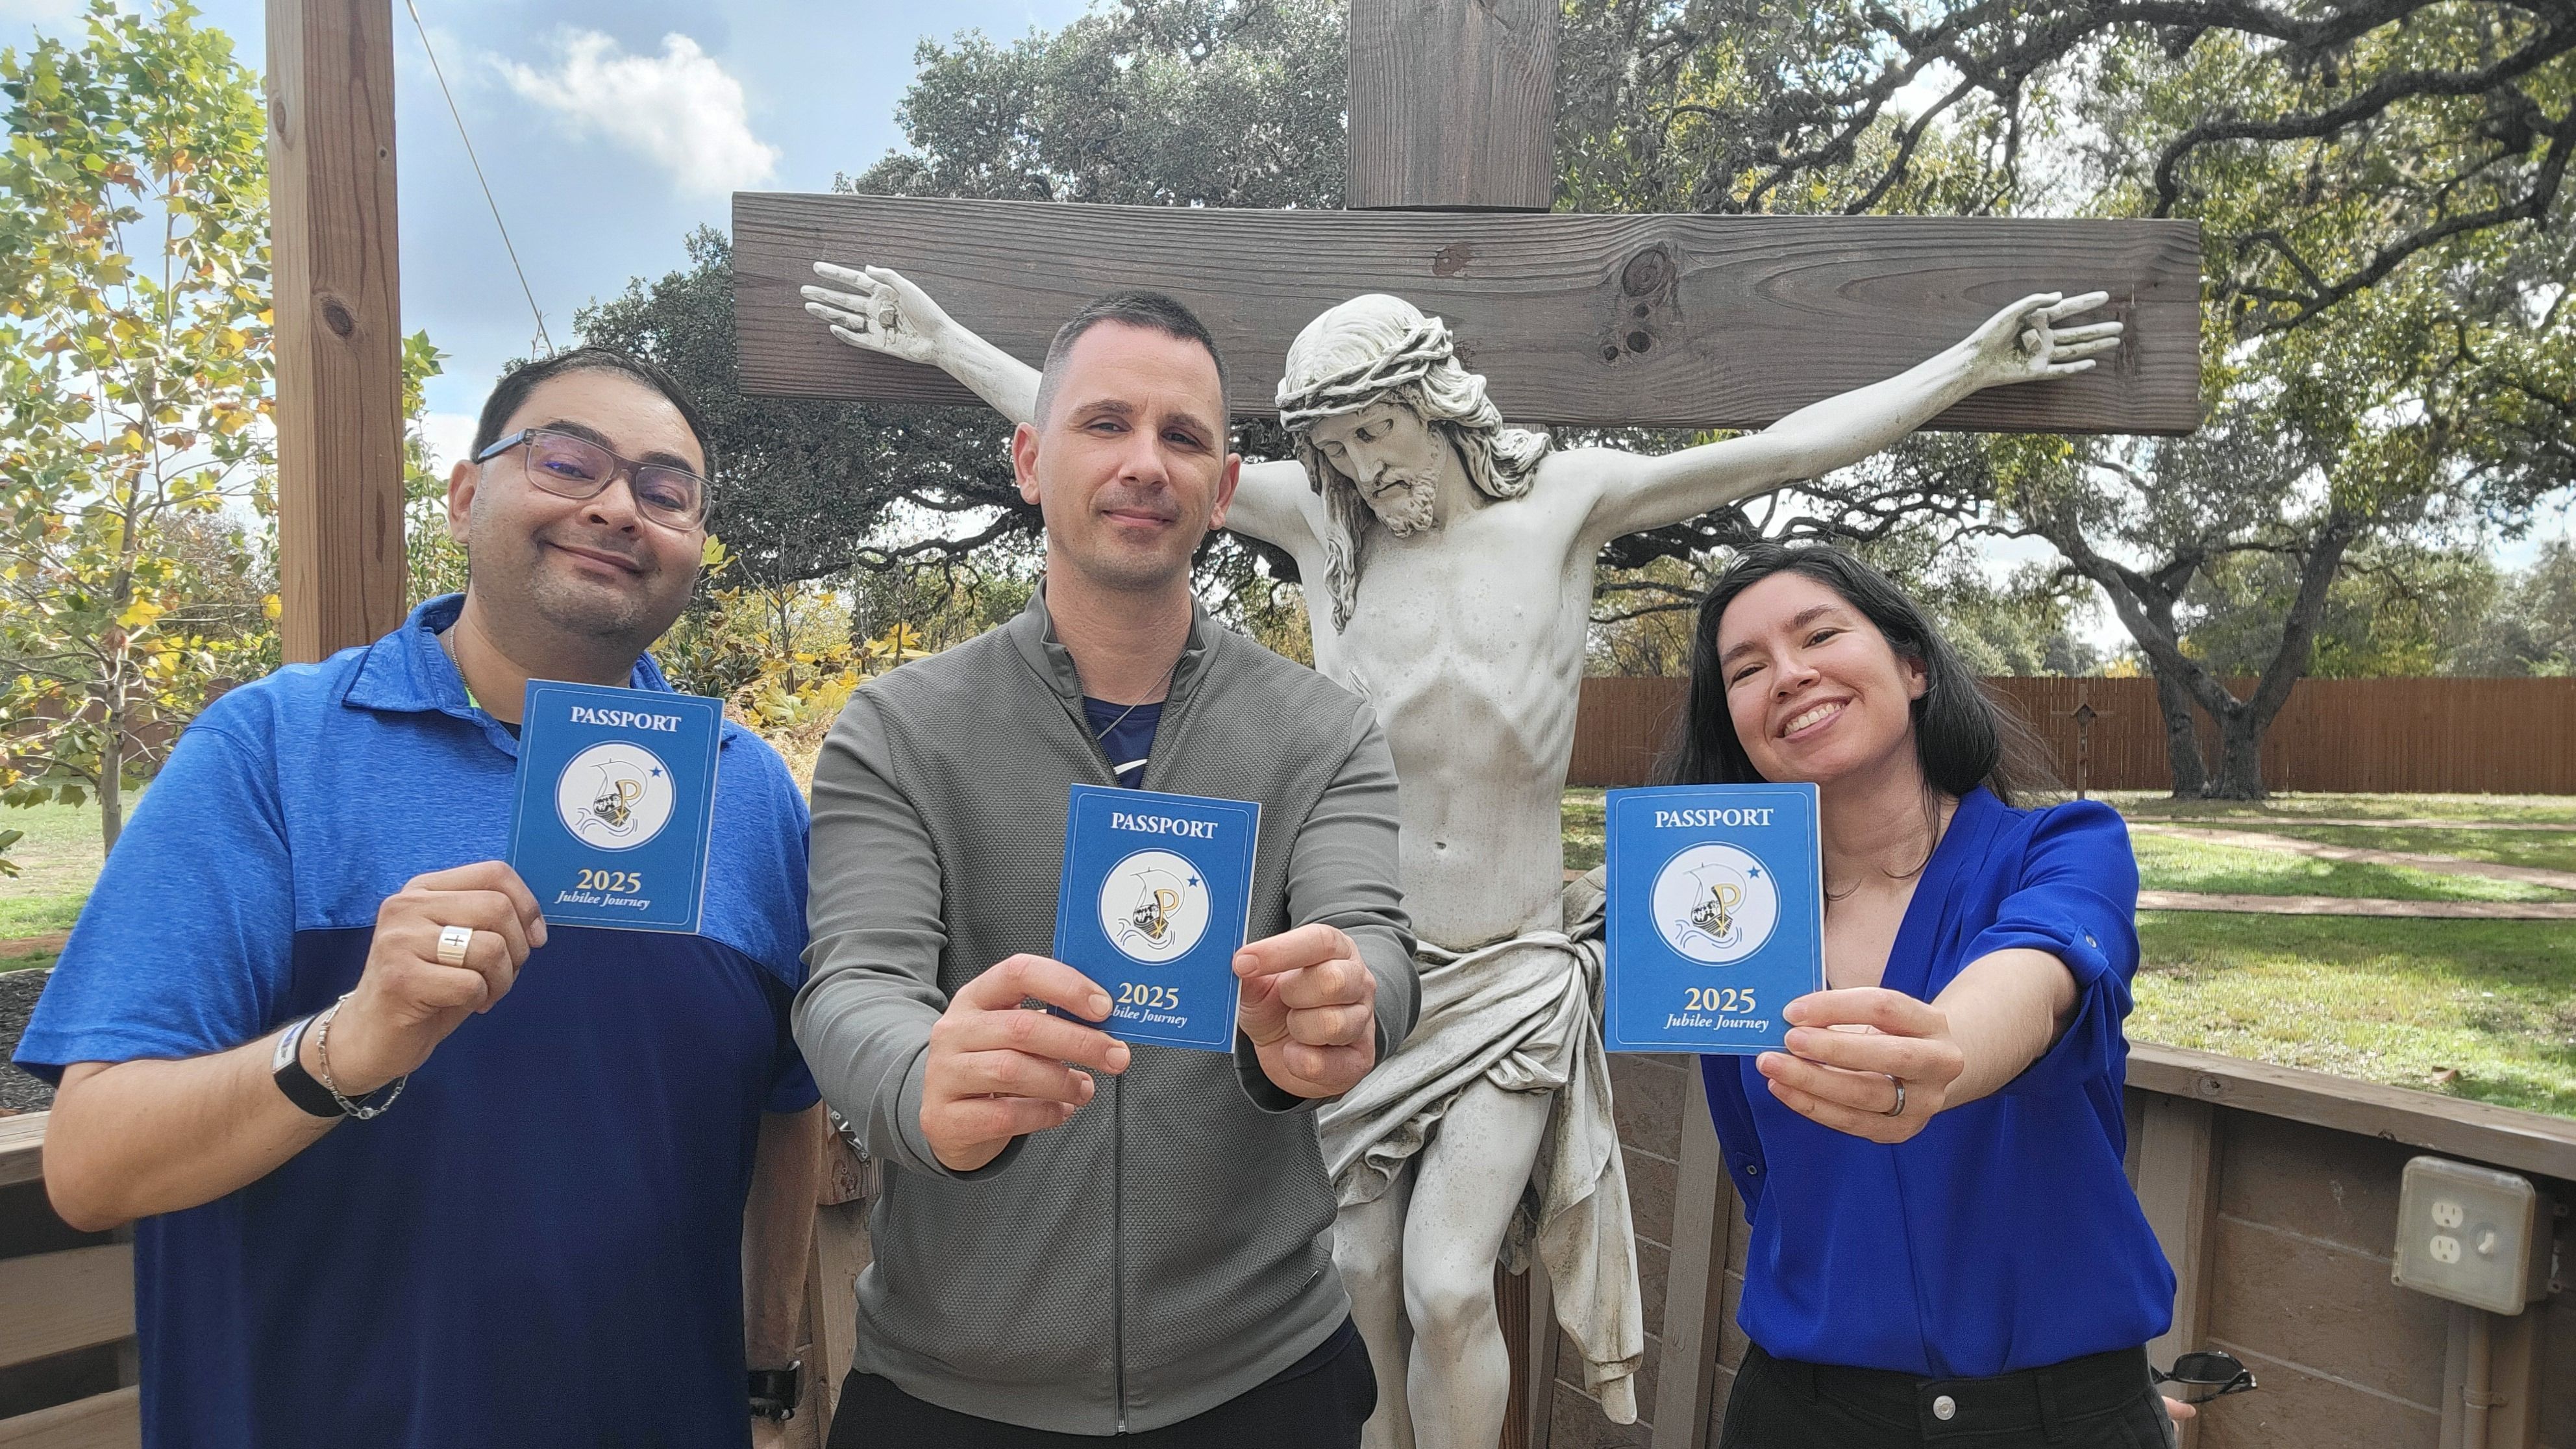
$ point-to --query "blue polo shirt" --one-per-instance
(2004, 1236)
(540, 1242)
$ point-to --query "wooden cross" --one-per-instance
(2084, 714)
(1661, 320)
(1655, 320)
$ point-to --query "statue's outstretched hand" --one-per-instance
(2024, 343)
(876, 310)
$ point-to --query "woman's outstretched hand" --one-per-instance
(1849, 1051)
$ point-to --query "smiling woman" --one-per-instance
(1932, 1167)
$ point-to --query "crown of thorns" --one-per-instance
(1355, 387)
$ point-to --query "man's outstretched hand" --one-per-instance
(1308, 1004)
(997, 1071)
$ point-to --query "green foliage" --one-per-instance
(1643, 618)
(1140, 103)
(134, 377)
(2531, 626)
(434, 563)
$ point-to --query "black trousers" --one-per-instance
(1320, 1402)
(2104, 1401)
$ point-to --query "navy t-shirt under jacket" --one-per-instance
(540, 1242)
(2005, 1235)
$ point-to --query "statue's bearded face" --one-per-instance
(1392, 456)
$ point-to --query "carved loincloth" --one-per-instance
(1524, 1014)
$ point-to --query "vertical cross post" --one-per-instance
(338, 322)
(1452, 105)
(1453, 108)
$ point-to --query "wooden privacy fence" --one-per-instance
(2469, 736)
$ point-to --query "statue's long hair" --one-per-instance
(1373, 348)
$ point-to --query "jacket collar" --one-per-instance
(407, 672)
(1034, 634)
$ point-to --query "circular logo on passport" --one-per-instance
(1153, 907)
(1715, 904)
(614, 796)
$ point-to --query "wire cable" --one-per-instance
(503, 227)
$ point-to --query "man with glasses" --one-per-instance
(574, 1202)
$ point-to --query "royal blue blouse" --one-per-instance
(2004, 1235)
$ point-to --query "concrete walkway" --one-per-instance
(2564, 880)
(2358, 906)
(2276, 820)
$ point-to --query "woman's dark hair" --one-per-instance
(1962, 738)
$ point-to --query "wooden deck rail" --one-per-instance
(2273, 1192)
(67, 1362)
(2272, 1189)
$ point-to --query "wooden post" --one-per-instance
(1453, 108)
(338, 322)
(1453, 105)
(2177, 1185)
(1704, 1220)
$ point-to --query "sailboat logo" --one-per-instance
(1154, 906)
(1715, 903)
(614, 796)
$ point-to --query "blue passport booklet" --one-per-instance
(616, 799)
(1156, 894)
(1716, 916)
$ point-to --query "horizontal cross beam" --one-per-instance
(1644, 320)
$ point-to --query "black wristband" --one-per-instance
(286, 1069)
(774, 1392)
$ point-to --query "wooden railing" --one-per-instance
(2273, 1191)
(67, 1362)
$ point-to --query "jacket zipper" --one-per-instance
(1117, 1128)
(1118, 1247)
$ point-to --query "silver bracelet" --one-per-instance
(322, 1050)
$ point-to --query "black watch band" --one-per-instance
(286, 1068)
(775, 1392)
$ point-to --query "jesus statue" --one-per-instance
(1449, 566)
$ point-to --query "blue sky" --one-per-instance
(609, 129)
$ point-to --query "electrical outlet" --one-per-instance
(2468, 1234)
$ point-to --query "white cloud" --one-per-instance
(42, 12)
(449, 437)
(682, 110)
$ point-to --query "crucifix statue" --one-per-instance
(1448, 558)
(1452, 560)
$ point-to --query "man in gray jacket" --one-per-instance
(1076, 1236)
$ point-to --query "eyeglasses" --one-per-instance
(2218, 1372)
(571, 467)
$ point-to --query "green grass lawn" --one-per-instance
(58, 860)
(1582, 810)
(2287, 808)
(2174, 863)
(2546, 849)
(2394, 1001)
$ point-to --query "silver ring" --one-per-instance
(1899, 1109)
(455, 941)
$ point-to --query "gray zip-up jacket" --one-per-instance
(1171, 1246)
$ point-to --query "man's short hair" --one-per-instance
(1136, 308)
(515, 385)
